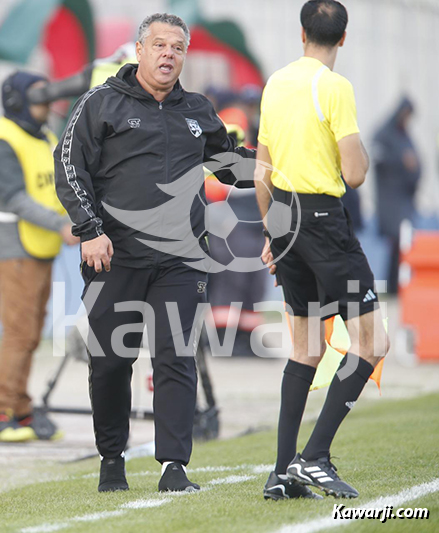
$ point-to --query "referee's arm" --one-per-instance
(354, 160)
(264, 188)
(262, 178)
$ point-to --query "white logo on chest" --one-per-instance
(134, 122)
(194, 127)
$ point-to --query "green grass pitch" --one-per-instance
(381, 449)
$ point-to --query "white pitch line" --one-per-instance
(262, 469)
(230, 480)
(201, 469)
(208, 469)
(396, 500)
(45, 528)
(145, 504)
(96, 516)
(57, 526)
(254, 469)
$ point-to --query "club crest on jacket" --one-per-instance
(194, 127)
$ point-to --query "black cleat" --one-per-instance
(175, 479)
(322, 474)
(281, 488)
(112, 476)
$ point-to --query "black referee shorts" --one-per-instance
(326, 263)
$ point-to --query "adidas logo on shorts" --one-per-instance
(370, 295)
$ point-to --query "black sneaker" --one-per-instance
(279, 487)
(320, 473)
(112, 475)
(175, 479)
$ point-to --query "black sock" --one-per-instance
(342, 394)
(295, 387)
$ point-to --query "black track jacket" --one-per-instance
(120, 144)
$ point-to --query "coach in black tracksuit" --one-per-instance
(138, 131)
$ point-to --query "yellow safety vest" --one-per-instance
(36, 160)
(104, 70)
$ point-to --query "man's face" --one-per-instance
(162, 55)
(40, 112)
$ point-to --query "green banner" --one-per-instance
(21, 30)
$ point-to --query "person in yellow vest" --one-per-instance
(33, 226)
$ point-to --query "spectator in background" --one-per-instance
(33, 226)
(220, 98)
(397, 171)
(250, 102)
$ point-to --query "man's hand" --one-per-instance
(98, 252)
(67, 237)
(267, 257)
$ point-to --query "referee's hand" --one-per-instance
(267, 258)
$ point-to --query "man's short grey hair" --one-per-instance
(164, 18)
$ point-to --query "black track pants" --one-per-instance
(175, 379)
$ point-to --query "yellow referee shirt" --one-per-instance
(306, 109)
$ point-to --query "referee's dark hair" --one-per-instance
(324, 21)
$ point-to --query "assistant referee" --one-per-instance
(309, 134)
